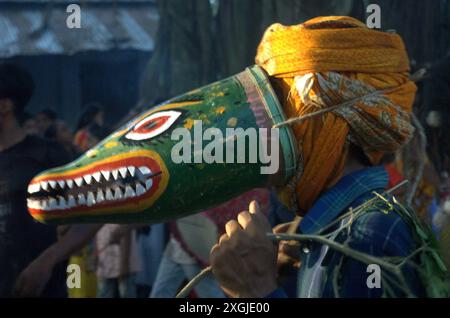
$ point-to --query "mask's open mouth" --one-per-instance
(99, 186)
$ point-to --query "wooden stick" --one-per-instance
(190, 286)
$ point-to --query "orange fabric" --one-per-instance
(330, 44)
(328, 61)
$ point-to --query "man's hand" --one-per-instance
(32, 280)
(245, 261)
(288, 253)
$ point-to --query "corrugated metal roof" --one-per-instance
(74, 1)
(40, 27)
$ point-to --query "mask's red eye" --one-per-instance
(153, 125)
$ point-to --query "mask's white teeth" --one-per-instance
(118, 194)
(123, 172)
(79, 181)
(108, 194)
(106, 175)
(81, 199)
(97, 176)
(88, 178)
(44, 185)
(62, 184)
(144, 170)
(62, 203)
(129, 192)
(132, 171)
(100, 197)
(34, 204)
(52, 204)
(71, 201)
(33, 188)
(44, 205)
(139, 189)
(90, 199)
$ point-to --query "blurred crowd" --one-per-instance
(126, 261)
(116, 260)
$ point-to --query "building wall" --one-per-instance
(66, 83)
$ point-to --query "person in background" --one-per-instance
(22, 157)
(93, 116)
(118, 262)
(409, 161)
(31, 258)
(151, 243)
(441, 219)
(29, 124)
(44, 119)
(191, 239)
(61, 133)
(95, 133)
(86, 257)
(177, 266)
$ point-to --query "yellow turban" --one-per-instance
(328, 61)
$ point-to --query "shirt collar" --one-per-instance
(344, 194)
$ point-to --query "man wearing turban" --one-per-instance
(352, 87)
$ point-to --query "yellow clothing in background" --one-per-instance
(85, 259)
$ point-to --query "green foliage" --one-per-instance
(426, 259)
(432, 269)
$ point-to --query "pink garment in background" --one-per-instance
(108, 265)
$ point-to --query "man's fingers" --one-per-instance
(223, 238)
(282, 228)
(244, 219)
(254, 207)
(232, 227)
(291, 249)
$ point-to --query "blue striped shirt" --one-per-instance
(374, 233)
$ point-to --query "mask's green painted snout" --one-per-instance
(132, 176)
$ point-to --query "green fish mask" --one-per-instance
(149, 171)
